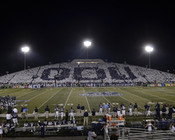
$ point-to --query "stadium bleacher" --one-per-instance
(88, 71)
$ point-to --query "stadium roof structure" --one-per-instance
(87, 61)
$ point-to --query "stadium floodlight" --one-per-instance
(87, 44)
(149, 49)
(25, 50)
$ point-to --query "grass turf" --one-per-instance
(67, 95)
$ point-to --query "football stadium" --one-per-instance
(87, 70)
(126, 95)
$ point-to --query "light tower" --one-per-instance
(87, 44)
(149, 49)
(25, 50)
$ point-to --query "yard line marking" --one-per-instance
(26, 93)
(10, 92)
(128, 100)
(68, 98)
(135, 95)
(156, 96)
(38, 95)
(106, 99)
(49, 99)
(87, 102)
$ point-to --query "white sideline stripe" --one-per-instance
(48, 99)
(87, 102)
(68, 98)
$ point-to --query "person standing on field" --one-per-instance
(57, 112)
(47, 110)
(36, 113)
(62, 112)
(85, 118)
(78, 109)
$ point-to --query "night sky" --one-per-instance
(55, 32)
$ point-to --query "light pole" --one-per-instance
(149, 49)
(25, 50)
(87, 44)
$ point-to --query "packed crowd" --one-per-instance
(88, 73)
(6, 102)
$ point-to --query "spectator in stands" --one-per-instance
(26, 124)
(149, 126)
(135, 109)
(164, 112)
(115, 136)
(93, 115)
(43, 129)
(170, 113)
(1, 131)
(45, 122)
(57, 112)
(36, 113)
(8, 117)
(50, 123)
(15, 110)
(158, 112)
(85, 118)
(172, 128)
(106, 132)
(54, 122)
(82, 110)
(78, 109)
(15, 118)
(173, 115)
(47, 110)
(104, 118)
(9, 109)
(91, 135)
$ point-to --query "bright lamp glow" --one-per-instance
(149, 49)
(25, 49)
(87, 43)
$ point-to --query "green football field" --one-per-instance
(71, 97)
